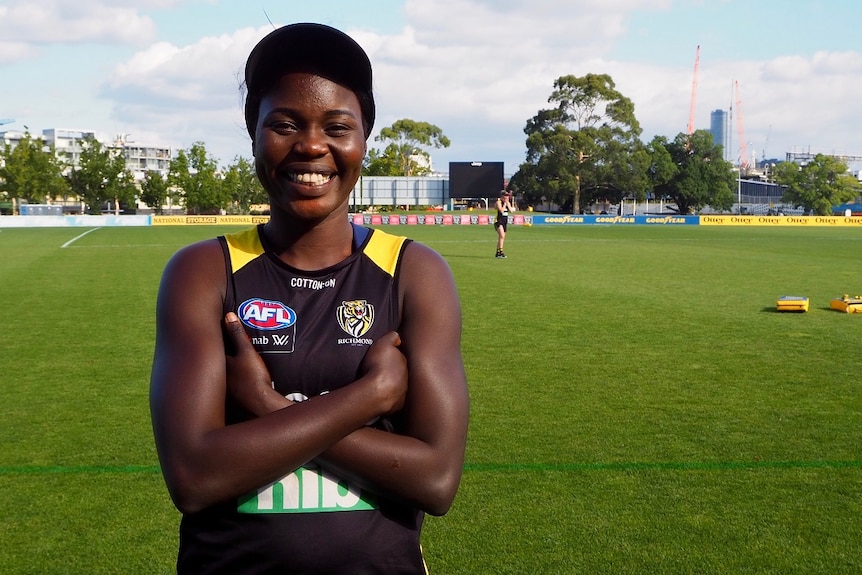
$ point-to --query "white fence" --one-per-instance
(72, 221)
(400, 191)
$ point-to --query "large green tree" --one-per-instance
(31, 171)
(242, 187)
(154, 190)
(406, 139)
(818, 185)
(101, 179)
(195, 173)
(692, 172)
(587, 141)
(382, 163)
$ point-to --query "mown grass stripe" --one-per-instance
(488, 467)
(79, 469)
(646, 466)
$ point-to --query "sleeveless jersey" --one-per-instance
(312, 330)
(502, 216)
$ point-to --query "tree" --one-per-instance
(585, 142)
(101, 177)
(385, 163)
(818, 185)
(179, 172)
(405, 138)
(154, 190)
(196, 173)
(692, 172)
(242, 187)
(623, 174)
(31, 171)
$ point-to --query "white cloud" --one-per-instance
(485, 68)
(478, 69)
(70, 21)
(196, 74)
(11, 52)
(186, 93)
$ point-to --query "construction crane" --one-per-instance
(693, 92)
(766, 145)
(743, 152)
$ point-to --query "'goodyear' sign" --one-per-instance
(613, 220)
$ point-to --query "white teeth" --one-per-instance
(310, 178)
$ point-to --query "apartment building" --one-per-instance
(68, 145)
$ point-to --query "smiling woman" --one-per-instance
(308, 145)
(308, 394)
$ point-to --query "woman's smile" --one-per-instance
(309, 178)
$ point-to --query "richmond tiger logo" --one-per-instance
(355, 317)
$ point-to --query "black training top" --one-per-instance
(312, 330)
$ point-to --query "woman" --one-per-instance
(338, 415)
(505, 204)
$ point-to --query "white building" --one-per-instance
(141, 158)
(68, 145)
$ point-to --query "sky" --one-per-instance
(168, 72)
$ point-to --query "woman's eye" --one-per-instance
(283, 127)
(337, 129)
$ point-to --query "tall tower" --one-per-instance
(718, 128)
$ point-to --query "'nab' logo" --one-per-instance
(355, 317)
(266, 315)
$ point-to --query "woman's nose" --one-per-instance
(311, 143)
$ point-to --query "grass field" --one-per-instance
(638, 406)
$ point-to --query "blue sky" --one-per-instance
(166, 72)
(729, 30)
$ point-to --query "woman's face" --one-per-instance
(309, 145)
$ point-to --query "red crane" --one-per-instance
(693, 92)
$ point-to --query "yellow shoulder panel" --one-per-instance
(243, 247)
(384, 249)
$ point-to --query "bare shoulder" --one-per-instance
(421, 263)
(195, 275)
(416, 252)
(202, 250)
(204, 257)
(427, 287)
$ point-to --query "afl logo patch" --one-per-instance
(266, 315)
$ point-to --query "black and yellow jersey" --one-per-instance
(312, 330)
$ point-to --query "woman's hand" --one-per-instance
(248, 379)
(386, 369)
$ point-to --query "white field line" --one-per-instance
(114, 246)
(76, 238)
